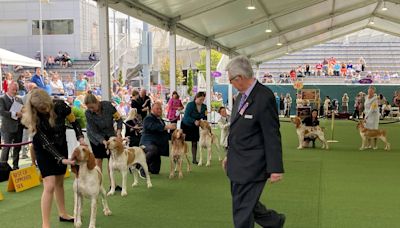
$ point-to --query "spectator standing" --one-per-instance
(282, 104)
(174, 107)
(145, 103)
(11, 128)
(345, 103)
(38, 79)
(223, 124)
(327, 104)
(288, 104)
(69, 86)
(194, 112)
(57, 87)
(81, 85)
(21, 85)
(7, 81)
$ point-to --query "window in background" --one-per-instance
(54, 27)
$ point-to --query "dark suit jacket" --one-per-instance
(254, 142)
(154, 134)
(8, 124)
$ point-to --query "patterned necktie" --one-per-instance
(242, 100)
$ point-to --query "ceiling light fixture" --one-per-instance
(384, 8)
(268, 30)
(279, 41)
(251, 6)
(287, 50)
(371, 22)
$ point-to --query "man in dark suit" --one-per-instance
(254, 147)
(155, 138)
(11, 127)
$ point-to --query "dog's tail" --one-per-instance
(142, 147)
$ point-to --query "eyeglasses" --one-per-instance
(233, 78)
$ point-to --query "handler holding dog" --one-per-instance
(254, 147)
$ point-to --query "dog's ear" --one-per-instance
(74, 169)
(119, 147)
(91, 162)
(75, 154)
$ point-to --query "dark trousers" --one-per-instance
(153, 159)
(247, 209)
(8, 138)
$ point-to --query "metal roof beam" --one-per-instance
(317, 33)
(295, 27)
(201, 10)
(387, 18)
(263, 59)
(263, 19)
(384, 31)
(130, 7)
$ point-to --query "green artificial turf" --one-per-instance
(340, 187)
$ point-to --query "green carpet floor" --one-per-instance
(341, 187)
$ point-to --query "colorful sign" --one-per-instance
(23, 179)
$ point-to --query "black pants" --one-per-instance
(153, 159)
(15, 137)
(247, 208)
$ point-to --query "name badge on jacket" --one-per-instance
(250, 117)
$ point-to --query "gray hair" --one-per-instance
(240, 65)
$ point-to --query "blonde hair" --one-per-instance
(90, 99)
(37, 99)
(132, 114)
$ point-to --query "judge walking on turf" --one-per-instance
(254, 147)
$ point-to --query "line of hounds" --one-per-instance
(88, 177)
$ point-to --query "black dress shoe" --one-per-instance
(195, 162)
(282, 220)
(118, 188)
(66, 220)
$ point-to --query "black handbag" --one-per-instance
(5, 170)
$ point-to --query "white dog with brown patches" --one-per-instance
(207, 139)
(122, 158)
(368, 134)
(305, 131)
(88, 183)
(179, 151)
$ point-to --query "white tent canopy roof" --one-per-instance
(229, 27)
(11, 58)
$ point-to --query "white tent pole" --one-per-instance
(208, 81)
(41, 36)
(104, 50)
(172, 60)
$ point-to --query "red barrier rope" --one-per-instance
(15, 144)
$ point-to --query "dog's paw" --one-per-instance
(200, 164)
(124, 193)
(362, 148)
(135, 184)
(208, 164)
(300, 147)
(110, 193)
(180, 175)
(149, 185)
(92, 226)
(78, 224)
(189, 169)
(107, 212)
(171, 176)
(375, 148)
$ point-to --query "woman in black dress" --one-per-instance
(195, 111)
(45, 118)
